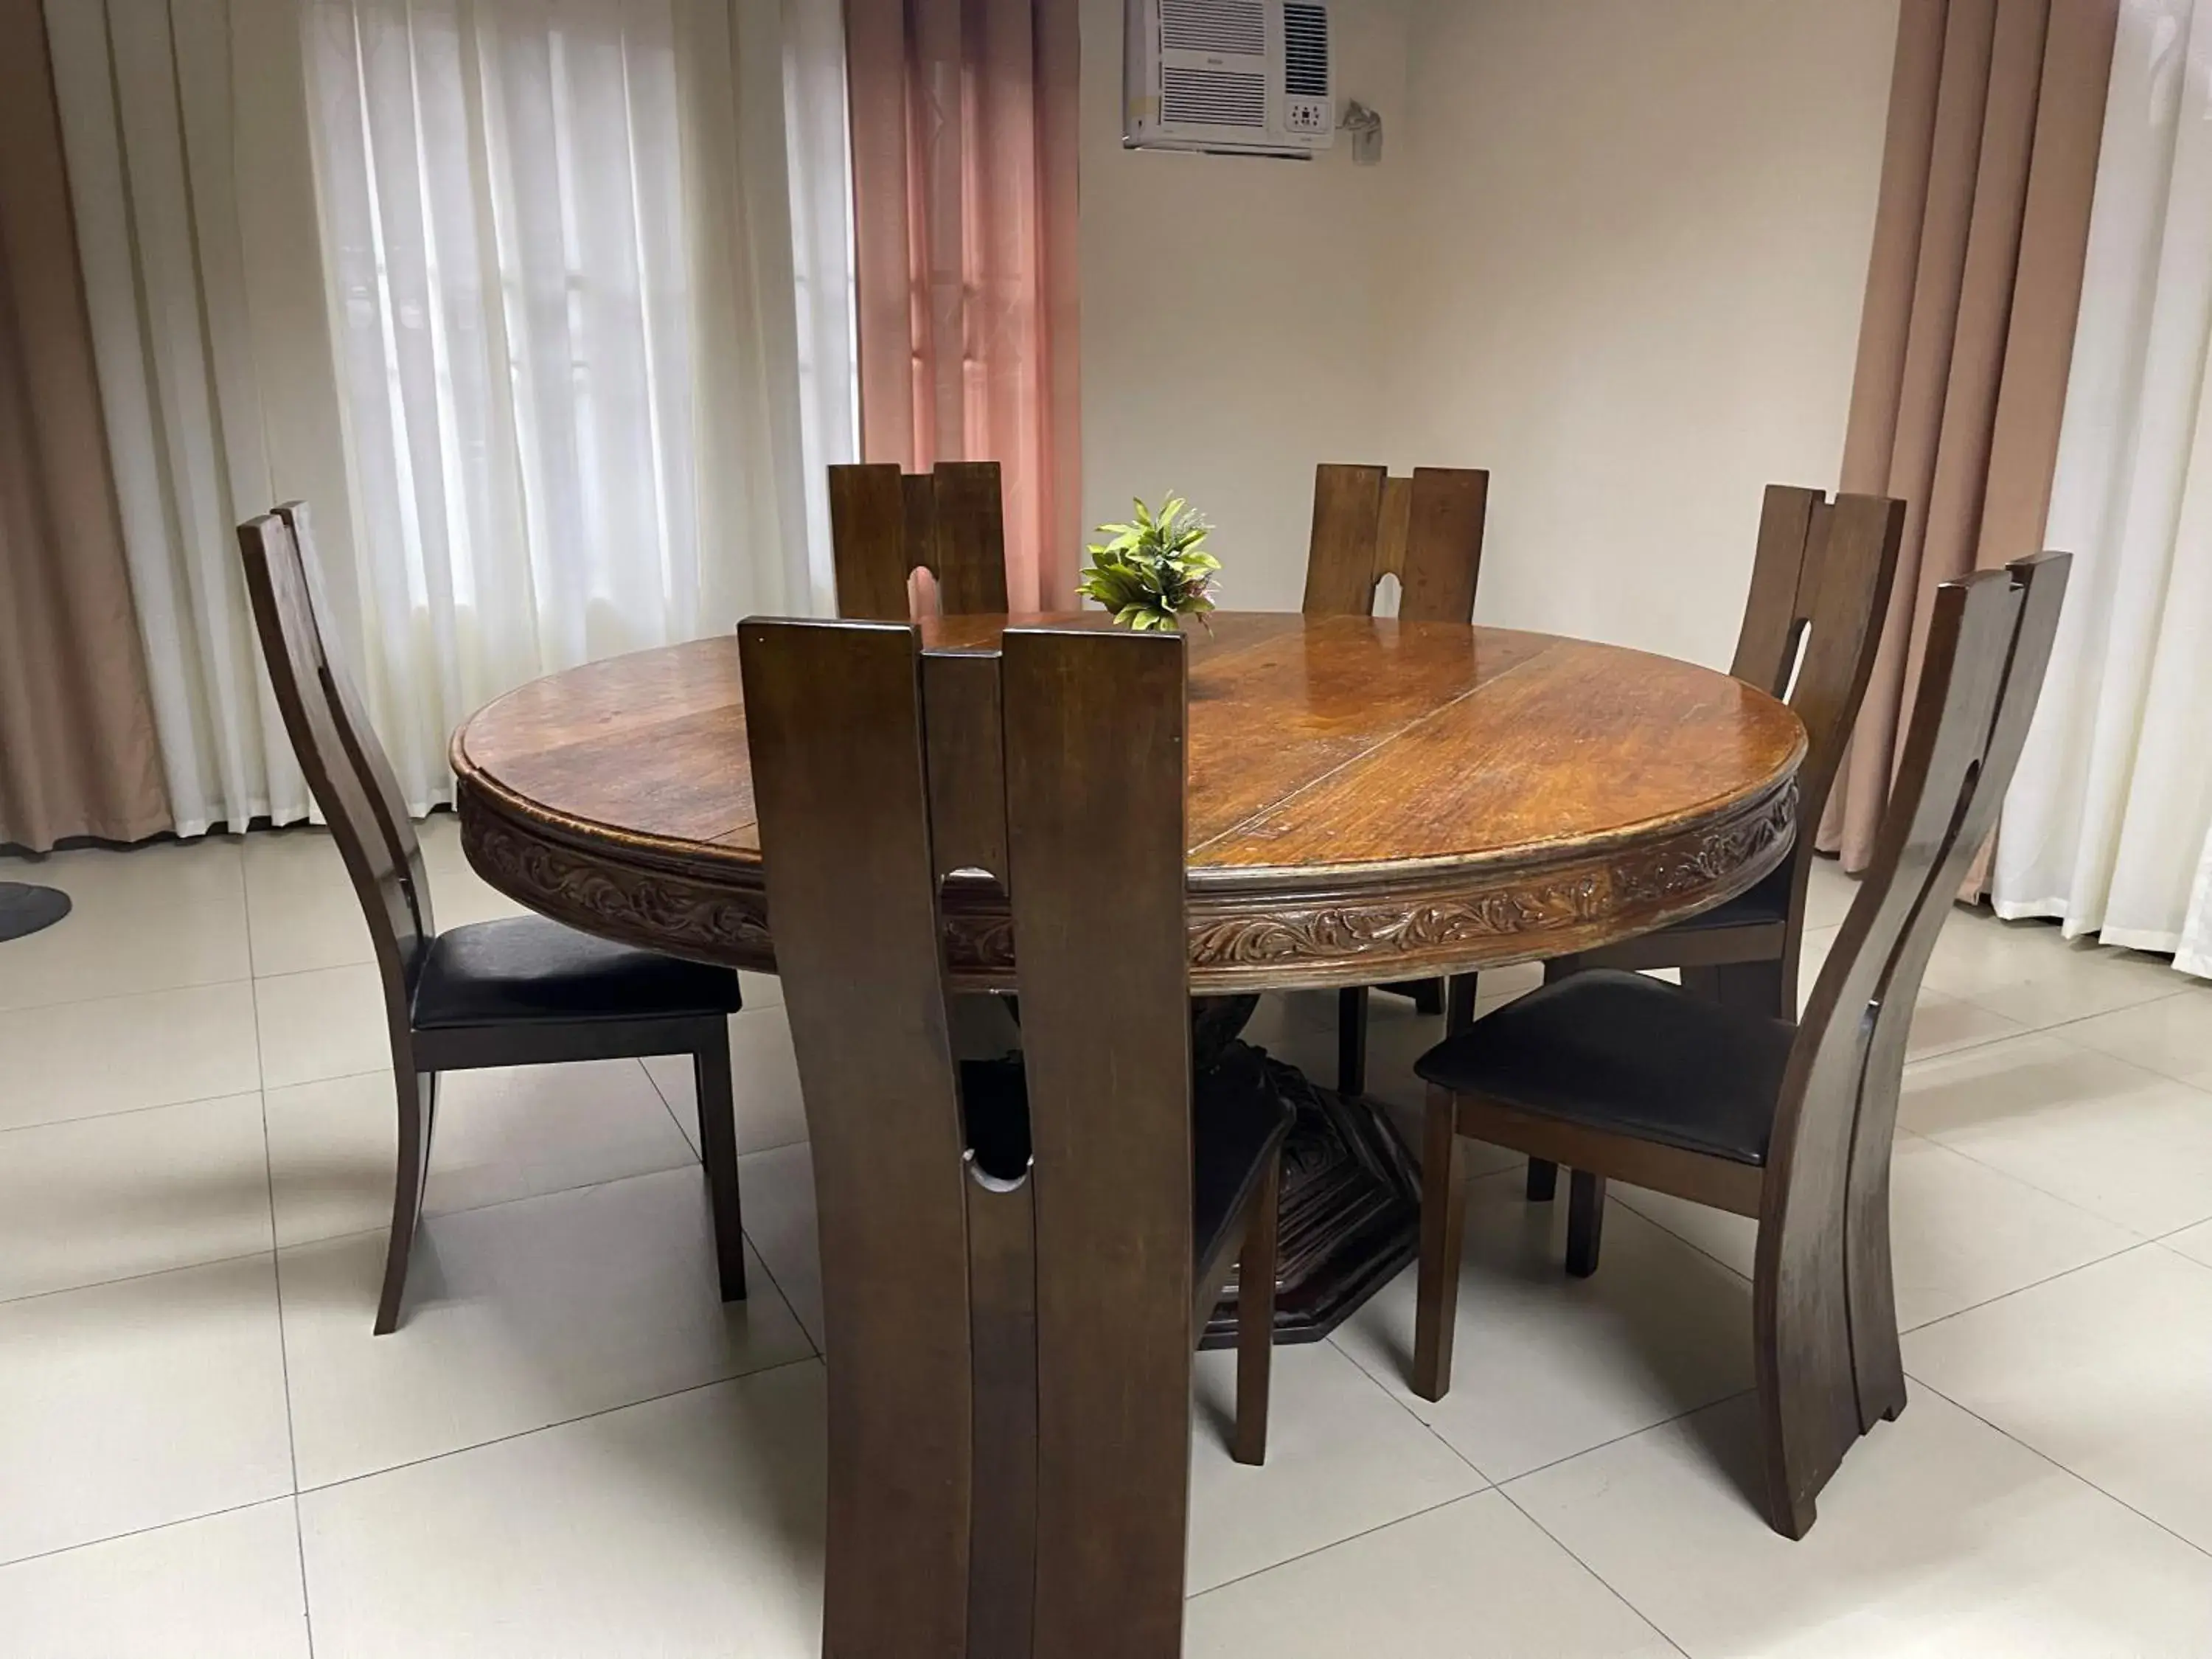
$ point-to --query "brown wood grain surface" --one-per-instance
(1365, 795)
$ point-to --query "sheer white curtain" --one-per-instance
(2109, 821)
(544, 304)
(568, 333)
(185, 123)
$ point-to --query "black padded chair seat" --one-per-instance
(1631, 1053)
(1238, 1123)
(527, 969)
(1761, 907)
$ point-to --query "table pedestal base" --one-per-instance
(1351, 1215)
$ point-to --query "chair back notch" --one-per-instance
(1989, 642)
(885, 524)
(1425, 530)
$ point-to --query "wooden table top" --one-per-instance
(1368, 799)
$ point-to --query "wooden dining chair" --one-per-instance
(1012, 1288)
(885, 524)
(1619, 1075)
(524, 991)
(1427, 532)
(1819, 588)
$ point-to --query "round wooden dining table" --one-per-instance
(1370, 801)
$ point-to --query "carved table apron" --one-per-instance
(1370, 801)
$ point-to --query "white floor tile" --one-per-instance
(1960, 1233)
(688, 1526)
(502, 1134)
(2195, 1242)
(226, 1587)
(106, 1198)
(152, 918)
(1547, 1366)
(517, 1316)
(1829, 893)
(1473, 1577)
(1343, 1458)
(2106, 1371)
(2026, 972)
(2173, 1035)
(154, 1048)
(777, 1188)
(327, 1022)
(300, 903)
(1941, 1024)
(133, 1405)
(2124, 1143)
(1938, 1538)
(764, 1081)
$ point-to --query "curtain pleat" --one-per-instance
(964, 135)
(77, 748)
(1996, 108)
(2109, 821)
(185, 125)
(545, 308)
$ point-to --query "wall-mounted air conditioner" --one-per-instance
(1249, 75)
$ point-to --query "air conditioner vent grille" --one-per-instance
(1219, 25)
(1305, 50)
(1214, 98)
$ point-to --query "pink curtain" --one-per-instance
(77, 749)
(1996, 112)
(964, 133)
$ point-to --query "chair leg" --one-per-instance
(1351, 1040)
(1255, 1316)
(1808, 1403)
(1443, 1228)
(718, 1142)
(418, 1113)
(1459, 1002)
(1428, 996)
(1585, 1221)
(1543, 1180)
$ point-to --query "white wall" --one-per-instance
(1232, 333)
(1637, 246)
(1614, 253)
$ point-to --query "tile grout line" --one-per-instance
(365, 1232)
(564, 1423)
(140, 1531)
(1428, 1427)
(1349, 1538)
(276, 1276)
(1611, 1588)
(2140, 1244)
(2070, 1473)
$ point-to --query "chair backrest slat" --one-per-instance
(356, 732)
(308, 688)
(1841, 581)
(1988, 641)
(834, 719)
(1037, 1318)
(1095, 746)
(885, 524)
(1425, 530)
